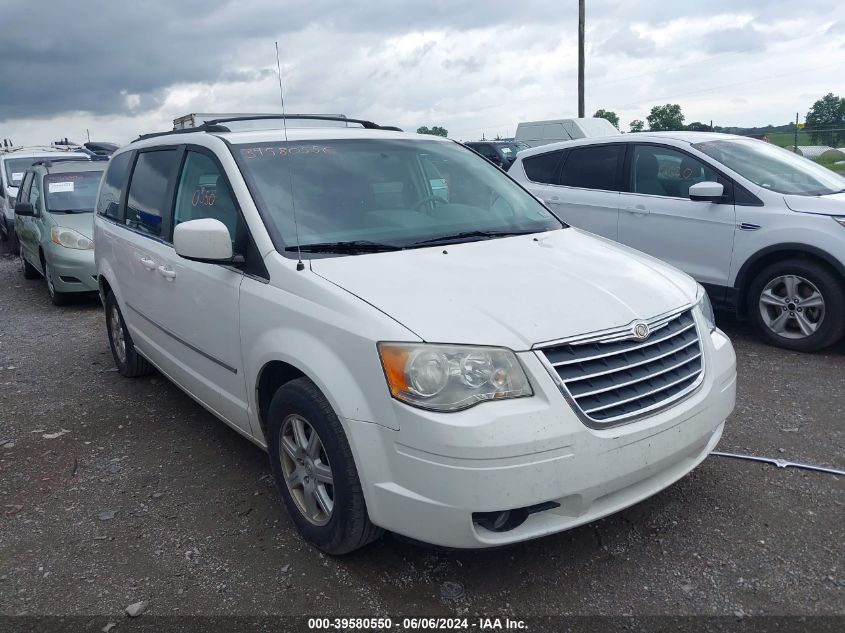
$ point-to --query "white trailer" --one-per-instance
(535, 133)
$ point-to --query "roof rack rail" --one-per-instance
(205, 127)
(214, 125)
(369, 125)
(48, 162)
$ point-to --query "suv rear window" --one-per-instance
(592, 167)
(148, 205)
(542, 167)
(111, 191)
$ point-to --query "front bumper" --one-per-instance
(427, 479)
(73, 270)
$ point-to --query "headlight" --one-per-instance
(70, 238)
(706, 308)
(839, 218)
(451, 377)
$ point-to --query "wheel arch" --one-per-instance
(779, 252)
(272, 375)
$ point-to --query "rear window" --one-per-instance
(74, 192)
(592, 167)
(542, 167)
(148, 204)
(108, 203)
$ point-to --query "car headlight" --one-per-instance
(451, 377)
(706, 308)
(839, 218)
(70, 238)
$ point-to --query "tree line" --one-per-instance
(825, 121)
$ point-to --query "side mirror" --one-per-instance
(204, 240)
(706, 191)
(24, 209)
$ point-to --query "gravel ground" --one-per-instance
(114, 491)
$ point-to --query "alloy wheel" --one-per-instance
(307, 472)
(48, 277)
(792, 307)
(117, 338)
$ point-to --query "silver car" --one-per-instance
(54, 224)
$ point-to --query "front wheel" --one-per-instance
(798, 304)
(4, 230)
(129, 363)
(58, 298)
(314, 469)
(29, 271)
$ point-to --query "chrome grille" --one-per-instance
(610, 380)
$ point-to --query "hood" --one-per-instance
(80, 222)
(513, 292)
(833, 204)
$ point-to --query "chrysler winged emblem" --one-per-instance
(640, 330)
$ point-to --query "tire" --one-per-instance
(4, 230)
(346, 527)
(128, 362)
(14, 245)
(29, 271)
(58, 298)
(805, 327)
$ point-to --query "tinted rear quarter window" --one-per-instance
(111, 189)
(592, 167)
(542, 167)
(150, 193)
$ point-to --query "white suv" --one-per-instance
(760, 227)
(417, 342)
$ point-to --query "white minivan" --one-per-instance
(417, 342)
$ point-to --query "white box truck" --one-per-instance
(534, 133)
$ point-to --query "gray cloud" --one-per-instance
(114, 59)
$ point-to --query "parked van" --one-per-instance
(54, 218)
(535, 133)
(418, 343)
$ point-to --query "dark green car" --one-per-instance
(54, 221)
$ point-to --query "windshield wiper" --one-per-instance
(71, 211)
(353, 246)
(444, 239)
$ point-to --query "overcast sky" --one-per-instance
(125, 68)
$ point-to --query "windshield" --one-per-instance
(385, 193)
(16, 169)
(511, 149)
(774, 168)
(73, 192)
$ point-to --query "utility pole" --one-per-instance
(795, 147)
(581, 58)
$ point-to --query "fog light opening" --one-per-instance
(506, 520)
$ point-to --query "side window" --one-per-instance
(488, 152)
(35, 192)
(204, 193)
(23, 192)
(592, 167)
(114, 182)
(542, 167)
(661, 171)
(148, 204)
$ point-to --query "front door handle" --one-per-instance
(147, 263)
(638, 210)
(168, 274)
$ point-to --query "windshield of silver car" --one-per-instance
(773, 167)
(72, 192)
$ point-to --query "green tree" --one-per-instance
(698, 126)
(666, 117)
(609, 115)
(435, 130)
(826, 120)
(637, 125)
